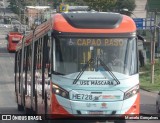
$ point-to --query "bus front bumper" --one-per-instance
(62, 107)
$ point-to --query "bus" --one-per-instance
(79, 64)
(13, 39)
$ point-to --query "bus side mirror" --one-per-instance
(159, 93)
(141, 38)
(49, 74)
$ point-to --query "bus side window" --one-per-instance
(25, 70)
(19, 63)
(47, 60)
(28, 69)
(17, 71)
(38, 65)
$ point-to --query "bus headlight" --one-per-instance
(60, 91)
(131, 92)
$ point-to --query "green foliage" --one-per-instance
(129, 4)
(101, 5)
(111, 5)
(153, 5)
(56, 3)
(125, 4)
(70, 2)
(13, 6)
(145, 78)
(75, 2)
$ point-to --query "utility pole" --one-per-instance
(153, 47)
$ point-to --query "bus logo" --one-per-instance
(104, 105)
(70, 42)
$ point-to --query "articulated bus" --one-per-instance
(13, 39)
(79, 64)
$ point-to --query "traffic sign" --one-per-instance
(139, 22)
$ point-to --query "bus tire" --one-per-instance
(157, 108)
(46, 106)
(45, 103)
(28, 111)
(20, 107)
(36, 107)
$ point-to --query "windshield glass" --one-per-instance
(72, 54)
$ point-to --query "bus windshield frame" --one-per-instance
(71, 54)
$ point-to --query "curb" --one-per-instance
(156, 92)
(143, 72)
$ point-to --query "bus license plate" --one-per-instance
(82, 97)
(95, 112)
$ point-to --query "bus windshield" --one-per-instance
(72, 54)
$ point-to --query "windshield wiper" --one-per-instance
(104, 66)
(109, 71)
(86, 65)
(83, 69)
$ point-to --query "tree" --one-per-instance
(75, 2)
(56, 3)
(14, 6)
(70, 2)
(111, 5)
(101, 5)
(125, 4)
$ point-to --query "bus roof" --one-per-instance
(93, 22)
(85, 22)
(15, 33)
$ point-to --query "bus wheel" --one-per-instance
(20, 107)
(28, 111)
(36, 107)
(157, 107)
(45, 103)
(120, 121)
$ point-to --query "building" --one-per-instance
(140, 10)
(35, 14)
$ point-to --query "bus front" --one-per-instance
(13, 39)
(95, 71)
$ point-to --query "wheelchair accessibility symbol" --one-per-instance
(63, 8)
